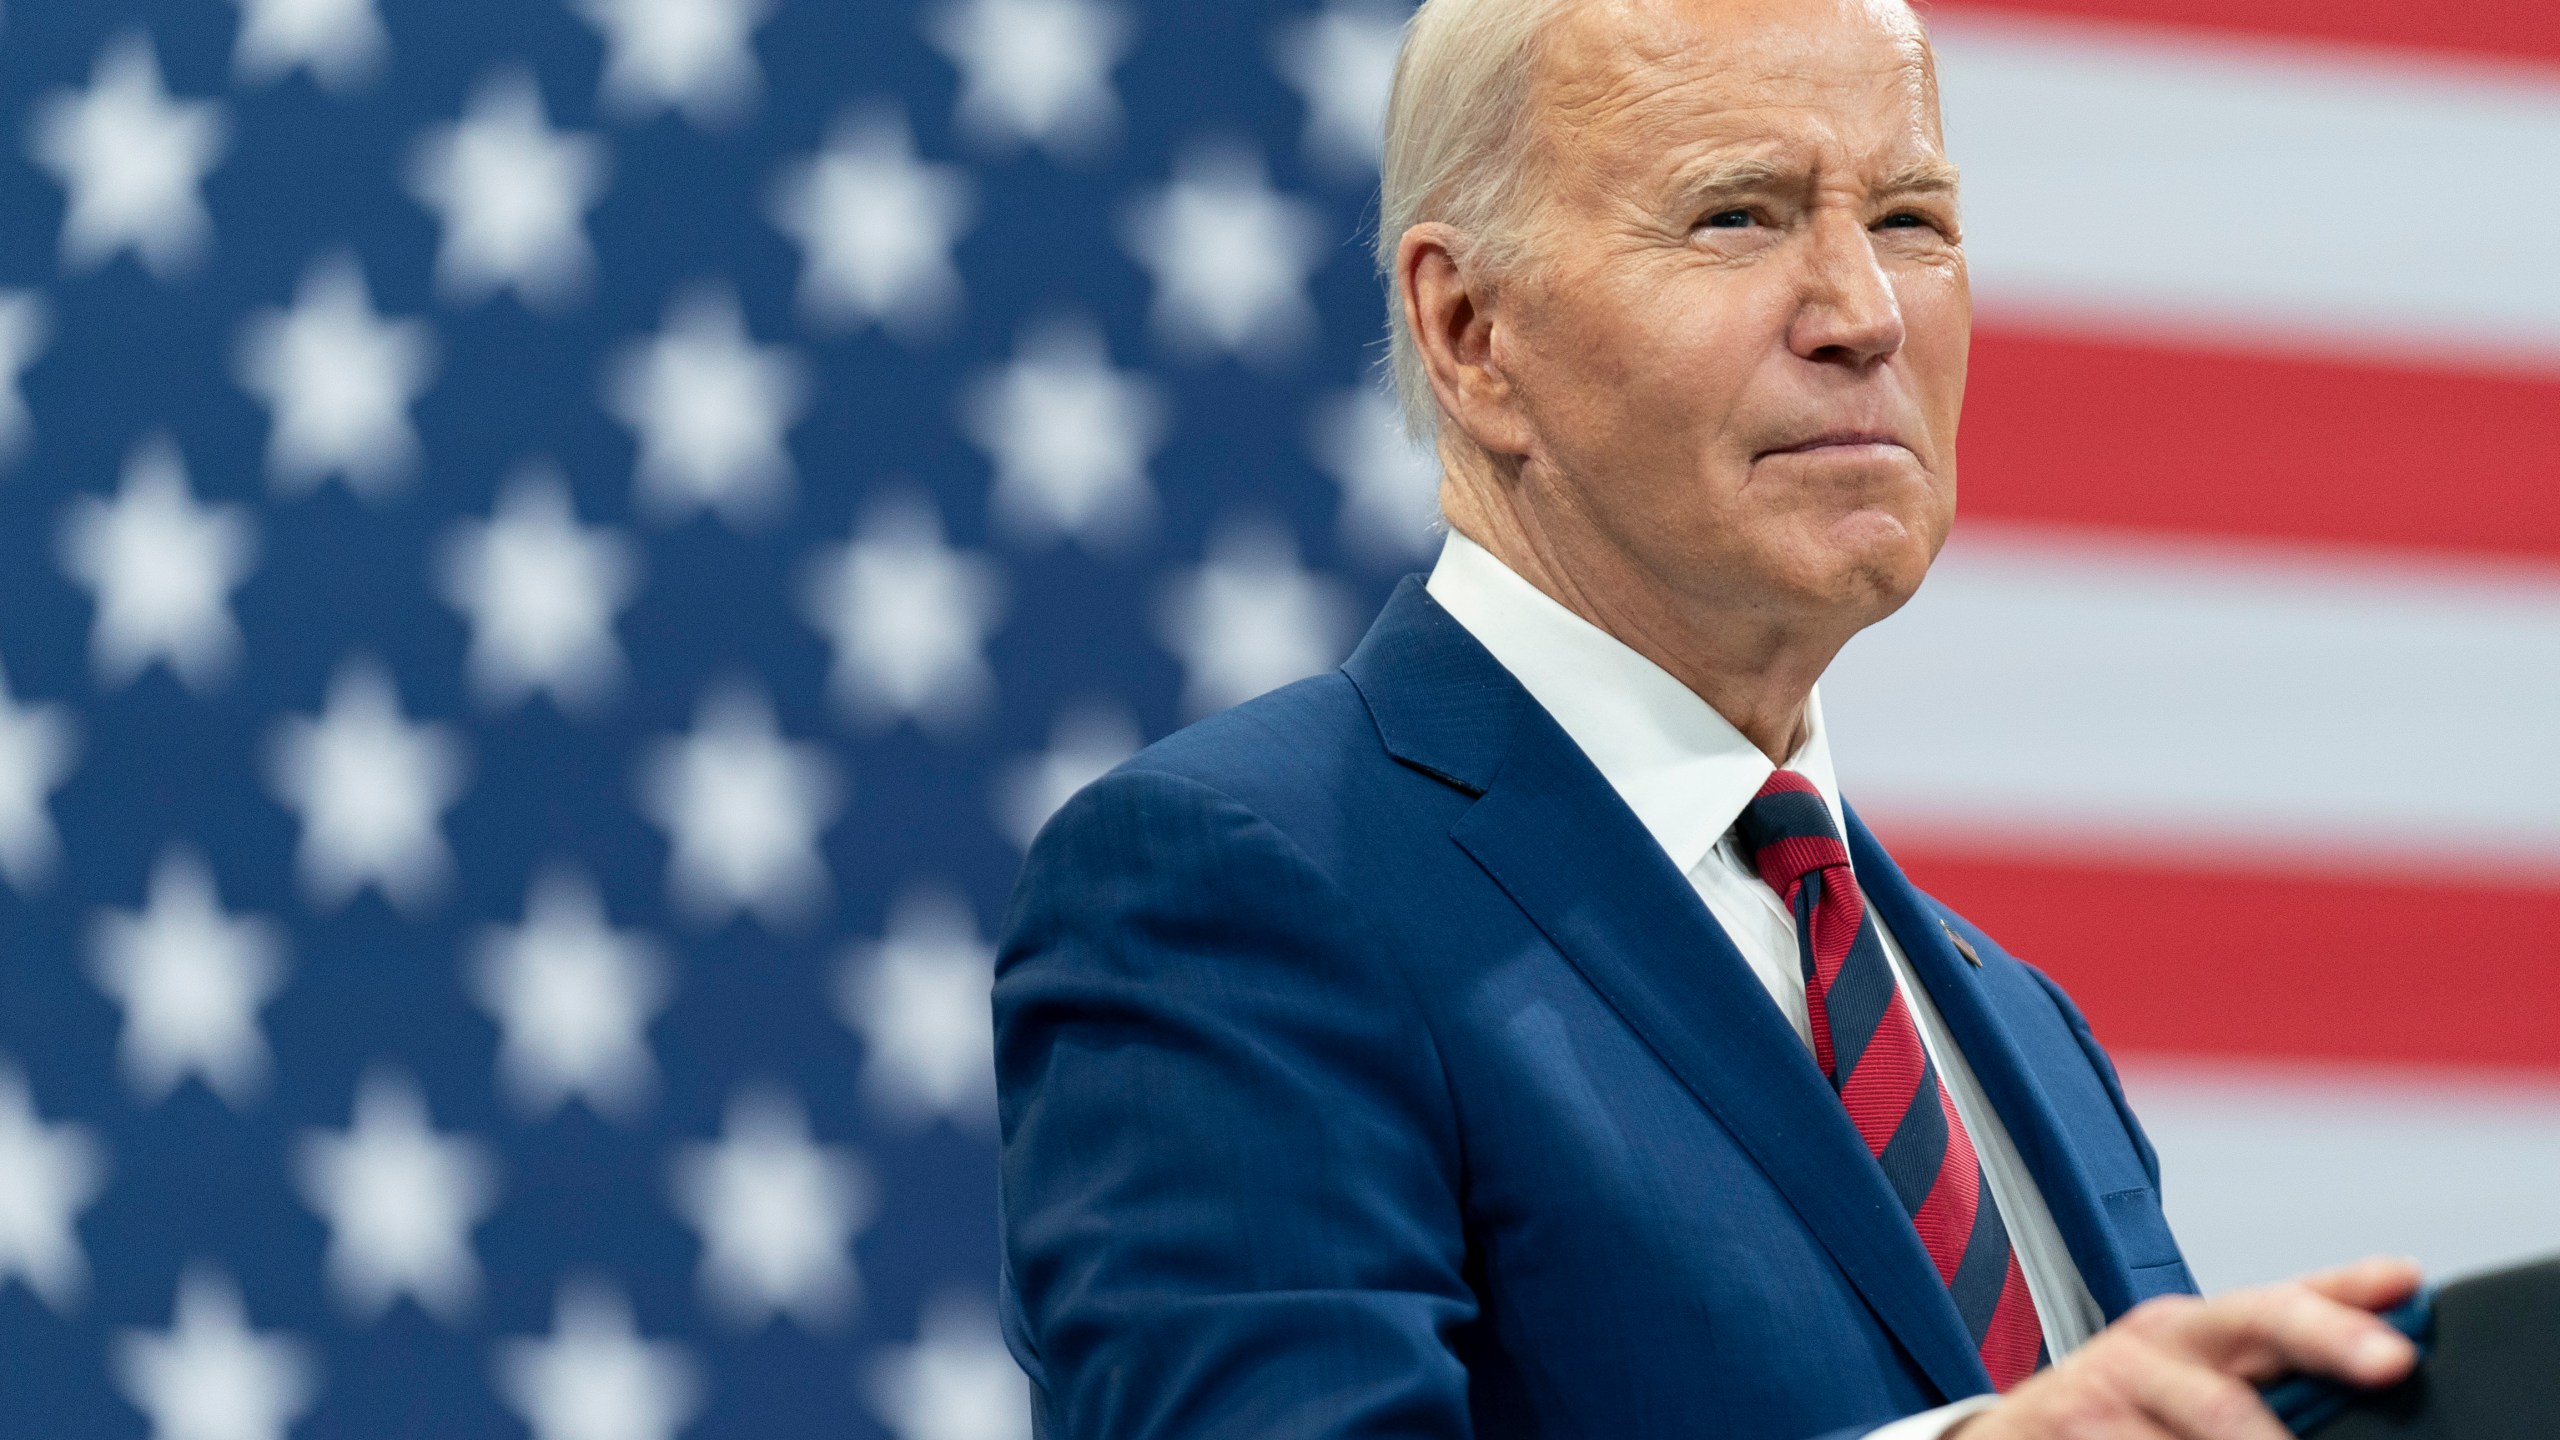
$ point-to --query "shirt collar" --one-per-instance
(1681, 767)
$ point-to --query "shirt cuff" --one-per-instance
(1930, 1424)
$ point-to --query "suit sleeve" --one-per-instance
(1230, 1159)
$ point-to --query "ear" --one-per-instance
(1453, 313)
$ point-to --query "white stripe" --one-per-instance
(2046, 683)
(2240, 185)
(2272, 1173)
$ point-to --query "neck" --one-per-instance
(1754, 670)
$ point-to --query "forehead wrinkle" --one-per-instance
(1611, 57)
(1627, 62)
(1614, 116)
(1926, 114)
(1728, 152)
(1572, 103)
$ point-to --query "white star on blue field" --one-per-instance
(554, 557)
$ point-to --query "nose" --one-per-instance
(1847, 313)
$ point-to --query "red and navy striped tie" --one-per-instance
(1865, 1041)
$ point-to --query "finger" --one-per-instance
(2375, 1283)
(2195, 1402)
(2260, 1334)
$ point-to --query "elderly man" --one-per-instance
(1514, 1034)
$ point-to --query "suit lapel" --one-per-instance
(1960, 991)
(1560, 843)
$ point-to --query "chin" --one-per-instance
(1881, 590)
(1874, 535)
(1874, 565)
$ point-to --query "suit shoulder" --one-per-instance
(1195, 835)
(1305, 761)
(1283, 756)
(1295, 727)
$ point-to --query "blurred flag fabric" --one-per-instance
(552, 556)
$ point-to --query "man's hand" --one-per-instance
(2179, 1368)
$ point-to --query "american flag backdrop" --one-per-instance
(553, 553)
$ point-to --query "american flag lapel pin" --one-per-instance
(1963, 948)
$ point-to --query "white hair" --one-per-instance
(1458, 151)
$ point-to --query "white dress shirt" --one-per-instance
(1687, 774)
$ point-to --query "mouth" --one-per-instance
(1840, 442)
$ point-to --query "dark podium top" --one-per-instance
(2491, 1369)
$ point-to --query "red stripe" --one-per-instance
(1835, 928)
(1879, 1092)
(2218, 960)
(2016, 1336)
(1786, 861)
(1945, 1221)
(2149, 437)
(2511, 29)
(1787, 782)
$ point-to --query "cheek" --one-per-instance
(1713, 333)
(1938, 324)
(1660, 356)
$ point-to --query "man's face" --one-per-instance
(1740, 343)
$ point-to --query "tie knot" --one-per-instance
(1787, 834)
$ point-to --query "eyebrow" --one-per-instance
(1743, 174)
(1927, 177)
(1726, 176)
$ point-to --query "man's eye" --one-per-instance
(1727, 220)
(1903, 220)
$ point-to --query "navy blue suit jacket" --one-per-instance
(1367, 1070)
